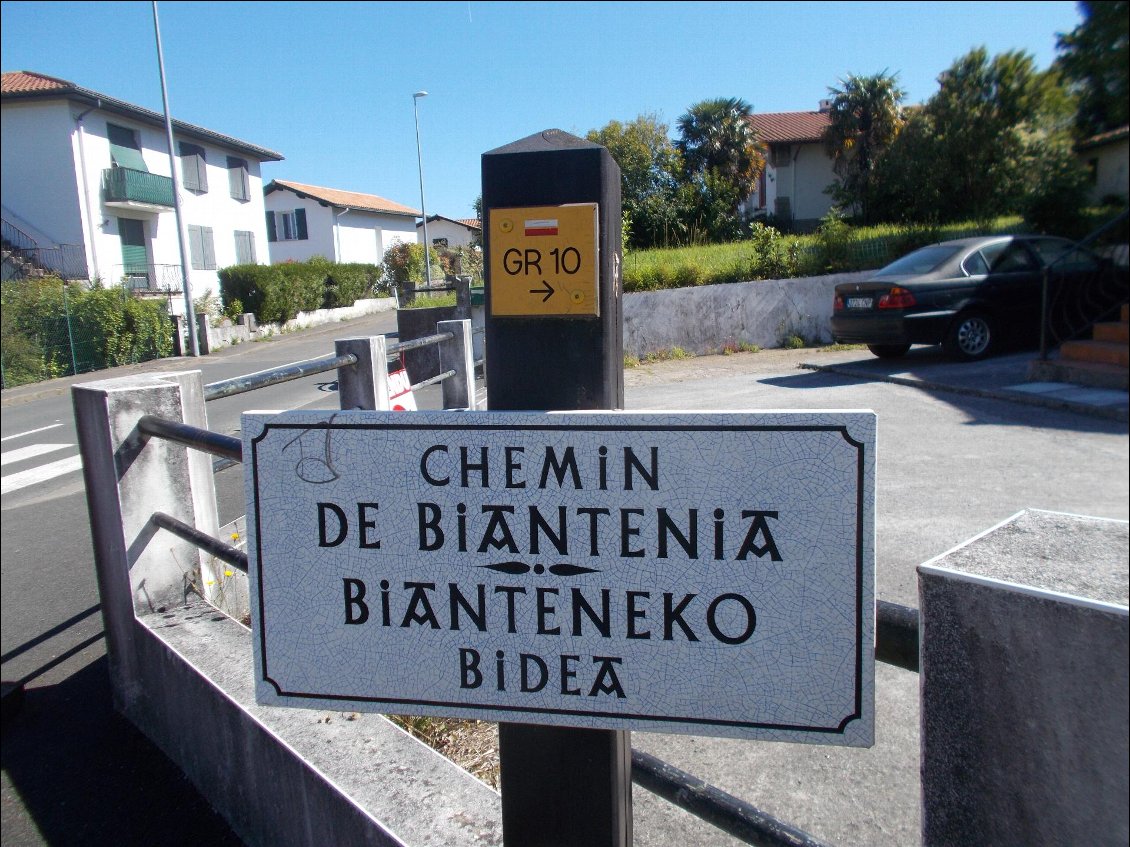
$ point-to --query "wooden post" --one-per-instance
(560, 786)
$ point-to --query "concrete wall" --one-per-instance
(703, 319)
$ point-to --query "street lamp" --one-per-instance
(423, 210)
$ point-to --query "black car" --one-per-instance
(968, 295)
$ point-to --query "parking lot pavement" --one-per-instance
(1000, 377)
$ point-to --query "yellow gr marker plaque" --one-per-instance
(543, 261)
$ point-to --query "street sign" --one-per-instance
(704, 573)
(544, 260)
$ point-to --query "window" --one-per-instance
(125, 152)
(287, 226)
(1008, 258)
(194, 171)
(238, 182)
(201, 248)
(244, 247)
(439, 242)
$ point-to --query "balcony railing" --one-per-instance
(125, 185)
(150, 279)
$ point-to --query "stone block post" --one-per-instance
(142, 569)
(1024, 685)
(457, 354)
(365, 384)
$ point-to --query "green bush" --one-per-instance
(52, 329)
(277, 293)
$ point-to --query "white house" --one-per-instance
(449, 232)
(798, 169)
(343, 226)
(1107, 158)
(86, 171)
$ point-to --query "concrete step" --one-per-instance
(1091, 374)
(1118, 332)
(1098, 352)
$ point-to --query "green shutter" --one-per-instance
(300, 221)
(195, 247)
(209, 248)
(272, 235)
(134, 258)
(238, 182)
(124, 150)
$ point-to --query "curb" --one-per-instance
(1117, 413)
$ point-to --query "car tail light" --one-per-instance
(838, 304)
(897, 298)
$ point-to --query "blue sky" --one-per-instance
(329, 85)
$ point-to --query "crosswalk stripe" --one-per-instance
(30, 432)
(22, 453)
(16, 481)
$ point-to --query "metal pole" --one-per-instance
(190, 312)
(423, 209)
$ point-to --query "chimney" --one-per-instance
(825, 105)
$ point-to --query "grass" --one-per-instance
(852, 248)
(471, 744)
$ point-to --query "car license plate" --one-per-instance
(859, 302)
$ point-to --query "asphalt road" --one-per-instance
(951, 464)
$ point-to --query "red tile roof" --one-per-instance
(17, 82)
(343, 199)
(29, 85)
(469, 223)
(1119, 134)
(790, 127)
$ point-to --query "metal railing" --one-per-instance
(1084, 285)
(126, 185)
(24, 257)
(145, 279)
(897, 627)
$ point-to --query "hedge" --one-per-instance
(277, 293)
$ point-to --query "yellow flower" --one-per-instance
(229, 573)
(235, 536)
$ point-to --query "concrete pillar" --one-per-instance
(1024, 685)
(457, 353)
(141, 569)
(365, 384)
(203, 342)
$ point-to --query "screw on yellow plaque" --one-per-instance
(543, 261)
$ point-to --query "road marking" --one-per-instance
(29, 432)
(23, 453)
(16, 481)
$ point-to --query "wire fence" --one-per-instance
(52, 329)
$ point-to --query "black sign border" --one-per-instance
(331, 424)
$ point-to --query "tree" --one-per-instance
(649, 168)
(1095, 59)
(722, 160)
(866, 117)
(975, 141)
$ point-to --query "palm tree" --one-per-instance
(866, 116)
(715, 135)
(722, 162)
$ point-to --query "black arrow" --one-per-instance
(548, 291)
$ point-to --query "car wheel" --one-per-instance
(889, 351)
(970, 337)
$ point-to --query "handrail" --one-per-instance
(224, 552)
(1084, 244)
(204, 440)
(424, 341)
(275, 376)
(731, 815)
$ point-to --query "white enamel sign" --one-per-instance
(705, 573)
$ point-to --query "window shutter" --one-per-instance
(193, 167)
(272, 235)
(209, 248)
(195, 247)
(238, 182)
(300, 221)
(244, 247)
